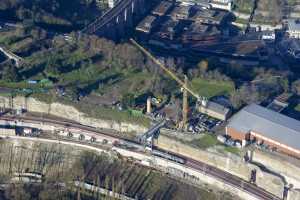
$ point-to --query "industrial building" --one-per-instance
(222, 4)
(180, 12)
(290, 49)
(169, 29)
(198, 32)
(267, 128)
(147, 24)
(162, 8)
(208, 16)
(215, 110)
(294, 28)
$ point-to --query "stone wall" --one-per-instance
(293, 195)
(69, 112)
(281, 165)
(230, 163)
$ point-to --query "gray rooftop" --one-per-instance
(218, 108)
(268, 123)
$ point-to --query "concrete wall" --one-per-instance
(285, 167)
(293, 195)
(69, 112)
(185, 172)
(230, 163)
(143, 159)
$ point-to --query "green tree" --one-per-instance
(128, 100)
(10, 73)
(296, 87)
(203, 66)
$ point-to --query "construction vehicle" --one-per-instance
(183, 84)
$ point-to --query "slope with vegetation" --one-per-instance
(62, 13)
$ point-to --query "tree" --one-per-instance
(203, 66)
(17, 192)
(246, 94)
(296, 87)
(128, 100)
(10, 73)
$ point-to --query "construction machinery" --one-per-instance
(183, 84)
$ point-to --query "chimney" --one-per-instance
(149, 105)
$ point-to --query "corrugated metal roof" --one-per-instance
(268, 123)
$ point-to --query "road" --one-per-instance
(225, 177)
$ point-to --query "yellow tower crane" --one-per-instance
(169, 72)
(183, 84)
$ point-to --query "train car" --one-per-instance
(129, 145)
(168, 156)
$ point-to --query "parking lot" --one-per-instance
(202, 123)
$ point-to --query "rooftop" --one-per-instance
(209, 16)
(269, 123)
(162, 8)
(223, 2)
(217, 108)
(146, 24)
(181, 12)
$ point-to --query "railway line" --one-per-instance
(226, 177)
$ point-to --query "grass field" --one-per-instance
(205, 142)
(209, 140)
(210, 88)
(297, 108)
(232, 150)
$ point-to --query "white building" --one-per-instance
(112, 3)
(294, 28)
(222, 4)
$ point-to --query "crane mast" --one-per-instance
(169, 72)
(183, 84)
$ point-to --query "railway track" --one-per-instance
(194, 164)
(231, 179)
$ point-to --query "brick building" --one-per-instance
(267, 127)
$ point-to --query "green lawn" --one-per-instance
(232, 150)
(297, 108)
(210, 88)
(205, 142)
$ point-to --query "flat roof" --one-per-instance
(209, 16)
(146, 24)
(162, 8)
(268, 123)
(218, 108)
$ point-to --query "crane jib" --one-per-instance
(181, 83)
